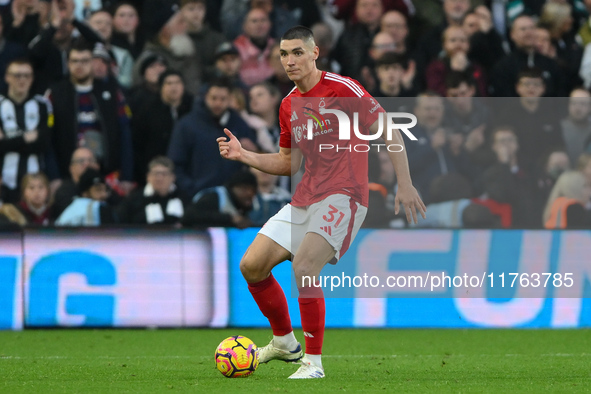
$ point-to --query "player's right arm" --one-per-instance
(286, 162)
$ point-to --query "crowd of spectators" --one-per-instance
(110, 110)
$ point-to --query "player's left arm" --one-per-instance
(407, 195)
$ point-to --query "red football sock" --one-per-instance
(312, 312)
(270, 298)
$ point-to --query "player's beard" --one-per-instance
(181, 45)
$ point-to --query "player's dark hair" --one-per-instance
(454, 79)
(298, 33)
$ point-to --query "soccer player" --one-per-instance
(327, 208)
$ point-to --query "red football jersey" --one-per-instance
(332, 165)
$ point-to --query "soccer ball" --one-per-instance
(236, 357)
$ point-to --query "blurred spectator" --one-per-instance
(205, 39)
(83, 9)
(25, 20)
(584, 165)
(504, 76)
(566, 204)
(394, 76)
(326, 9)
(254, 46)
(102, 22)
(535, 120)
(49, 49)
(476, 216)
(507, 152)
(486, 45)
(159, 202)
(82, 158)
(10, 217)
(556, 164)
(353, 45)
(264, 102)
(430, 156)
(224, 206)
(305, 12)
(256, 123)
(450, 195)
(466, 115)
(193, 147)
(455, 58)
(584, 34)
(346, 9)
(280, 78)
(153, 123)
(90, 208)
(126, 34)
(170, 40)
(102, 63)
(499, 194)
(147, 87)
(235, 12)
(381, 44)
(430, 45)
(557, 18)
(92, 114)
(270, 198)
(325, 41)
(394, 23)
(576, 128)
(35, 202)
(25, 127)
(9, 50)
(227, 65)
(378, 216)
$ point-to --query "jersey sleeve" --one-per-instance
(285, 125)
(370, 109)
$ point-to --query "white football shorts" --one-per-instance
(337, 218)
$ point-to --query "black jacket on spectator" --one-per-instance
(49, 62)
(195, 152)
(134, 209)
(504, 74)
(152, 127)
(25, 32)
(9, 51)
(352, 49)
(538, 133)
(118, 148)
(427, 164)
(486, 49)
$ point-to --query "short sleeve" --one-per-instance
(284, 123)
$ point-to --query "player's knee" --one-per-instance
(251, 271)
(304, 269)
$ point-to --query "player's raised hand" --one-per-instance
(409, 198)
(231, 149)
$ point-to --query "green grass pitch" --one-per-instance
(362, 360)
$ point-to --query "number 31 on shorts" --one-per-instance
(333, 214)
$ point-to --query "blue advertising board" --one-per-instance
(483, 254)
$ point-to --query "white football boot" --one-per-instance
(308, 370)
(270, 352)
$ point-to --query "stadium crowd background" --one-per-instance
(110, 110)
